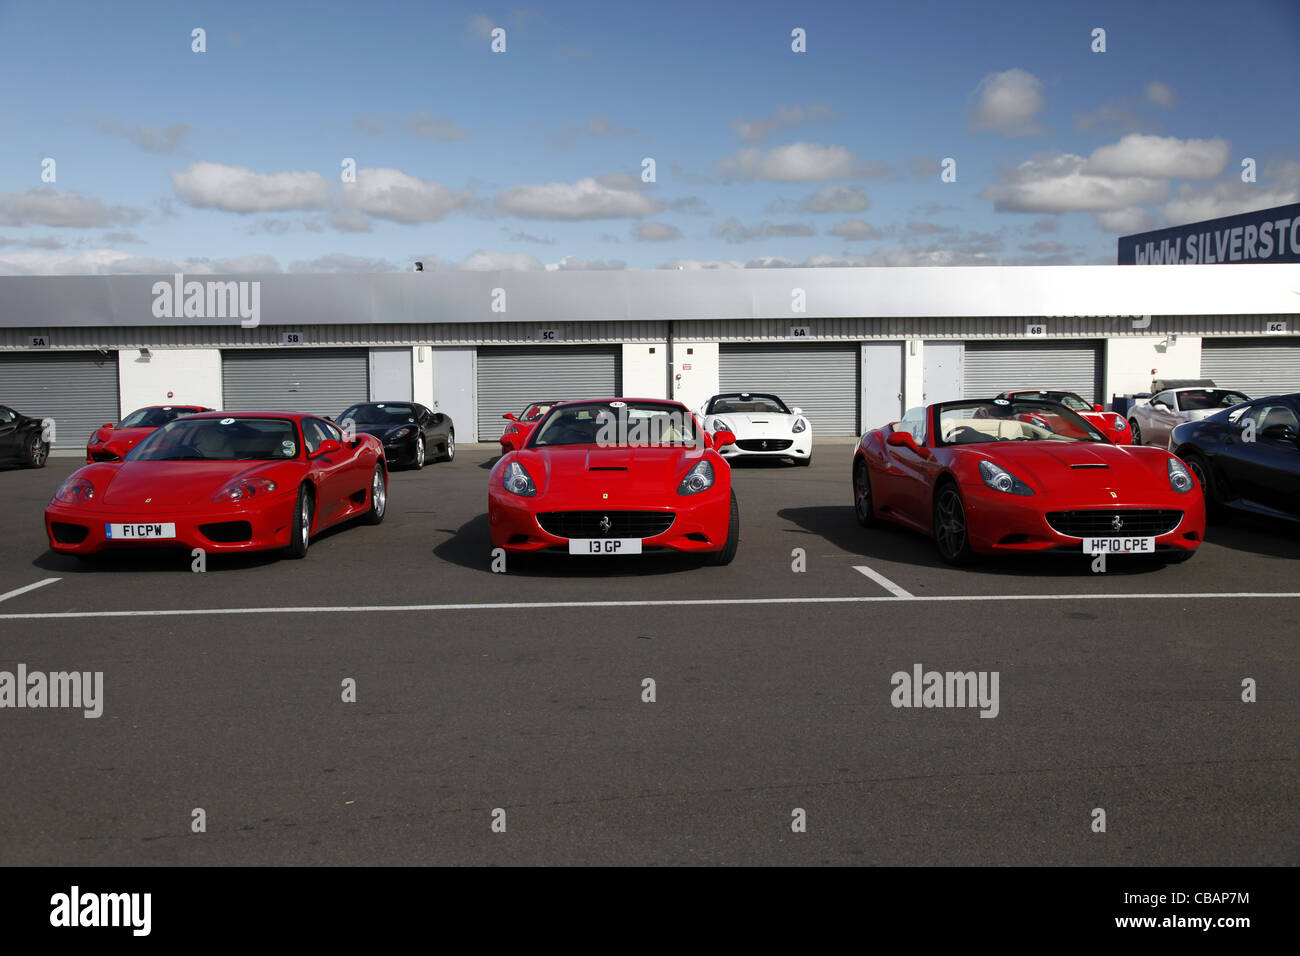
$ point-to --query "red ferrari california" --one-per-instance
(615, 477)
(112, 442)
(223, 481)
(1005, 476)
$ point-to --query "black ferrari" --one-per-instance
(1247, 457)
(22, 439)
(411, 433)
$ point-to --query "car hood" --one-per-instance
(577, 465)
(756, 423)
(382, 431)
(175, 483)
(1047, 465)
(123, 437)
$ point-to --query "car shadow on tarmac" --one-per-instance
(470, 546)
(1256, 535)
(890, 542)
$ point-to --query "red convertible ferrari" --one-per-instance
(223, 481)
(615, 477)
(1007, 476)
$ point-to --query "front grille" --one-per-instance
(764, 444)
(1100, 523)
(104, 456)
(227, 532)
(65, 533)
(622, 524)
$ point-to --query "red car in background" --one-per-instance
(222, 481)
(112, 442)
(1004, 476)
(1110, 424)
(616, 477)
(521, 425)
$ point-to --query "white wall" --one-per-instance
(697, 384)
(913, 374)
(645, 370)
(169, 376)
(422, 376)
(1129, 362)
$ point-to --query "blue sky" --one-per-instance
(229, 160)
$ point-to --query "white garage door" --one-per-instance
(511, 376)
(77, 389)
(1258, 367)
(316, 381)
(819, 377)
(993, 367)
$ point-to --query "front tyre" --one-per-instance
(378, 496)
(419, 452)
(449, 450)
(300, 527)
(1205, 478)
(1136, 431)
(863, 506)
(728, 552)
(951, 534)
(35, 451)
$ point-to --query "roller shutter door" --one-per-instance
(993, 367)
(77, 389)
(316, 381)
(1258, 368)
(509, 377)
(819, 377)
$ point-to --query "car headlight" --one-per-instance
(799, 426)
(1179, 478)
(999, 479)
(401, 433)
(241, 489)
(720, 425)
(1120, 424)
(75, 491)
(517, 481)
(699, 478)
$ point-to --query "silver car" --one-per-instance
(1174, 402)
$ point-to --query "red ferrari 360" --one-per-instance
(1006, 476)
(112, 442)
(223, 481)
(522, 425)
(615, 477)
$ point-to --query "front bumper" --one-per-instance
(798, 447)
(403, 452)
(80, 530)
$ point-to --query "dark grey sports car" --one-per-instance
(22, 439)
(411, 434)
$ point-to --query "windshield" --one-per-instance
(536, 411)
(1068, 399)
(219, 439)
(612, 424)
(154, 417)
(380, 413)
(744, 403)
(1198, 399)
(970, 423)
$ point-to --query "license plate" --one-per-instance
(136, 532)
(604, 546)
(1119, 545)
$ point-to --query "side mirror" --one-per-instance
(328, 447)
(108, 424)
(903, 440)
(796, 411)
(1099, 408)
(723, 438)
(510, 417)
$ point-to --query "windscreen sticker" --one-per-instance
(227, 421)
(289, 448)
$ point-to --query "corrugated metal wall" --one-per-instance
(77, 389)
(1258, 368)
(511, 376)
(992, 367)
(821, 378)
(317, 381)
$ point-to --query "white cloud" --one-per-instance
(492, 260)
(435, 127)
(1227, 199)
(1161, 94)
(855, 230)
(584, 200)
(52, 207)
(1008, 103)
(733, 230)
(116, 262)
(1124, 221)
(1139, 154)
(655, 232)
(799, 163)
(1063, 183)
(575, 263)
(152, 139)
(758, 130)
(392, 194)
(834, 198)
(236, 189)
(342, 262)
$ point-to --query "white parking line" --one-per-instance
(883, 581)
(546, 605)
(31, 587)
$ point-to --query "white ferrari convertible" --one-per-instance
(764, 427)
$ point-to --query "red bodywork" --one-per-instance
(609, 479)
(1064, 476)
(522, 425)
(182, 492)
(112, 442)
(1110, 424)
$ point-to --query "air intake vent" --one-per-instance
(1097, 465)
